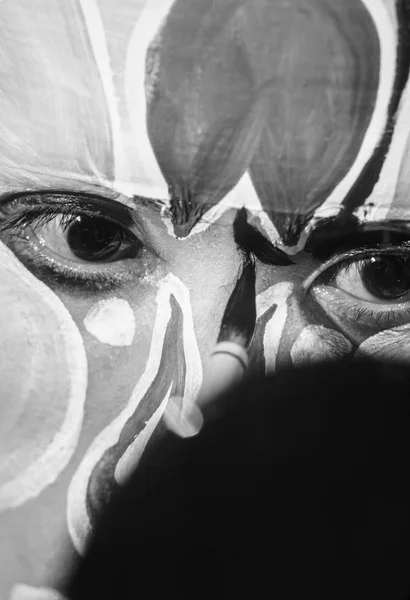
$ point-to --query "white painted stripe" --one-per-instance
(77, 517)
(44, 471)
(385, 190)
(387, 32)
(131, 457)
(96, 32)
(146, 174)
(277, 294)
(193, 379)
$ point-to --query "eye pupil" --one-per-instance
(93, 238)
(387, 277)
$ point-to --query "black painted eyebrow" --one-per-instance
(94, 203)
(102, 202)
(98, 192)
(154, 204)
(346, 232)
(252, 242)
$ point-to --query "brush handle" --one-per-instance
(232, 349)
(224, 369)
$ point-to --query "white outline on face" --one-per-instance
(387, 189)
(277, 294)
(31, 480)
(387, 34)
(136, 168)
(77, 516)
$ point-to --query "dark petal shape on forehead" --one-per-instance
(325, 64)
(205, 112)
(217, 67)
(220, 162)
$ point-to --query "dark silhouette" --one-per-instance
(298, 486)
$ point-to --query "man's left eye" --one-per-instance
(85, 238)
(378, 279)
(364, 289)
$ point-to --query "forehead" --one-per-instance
(297, 107)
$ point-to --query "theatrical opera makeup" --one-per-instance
(145, 143)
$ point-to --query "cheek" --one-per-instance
(117, 335)
(109, 364)
(389, 345)
(43, 379)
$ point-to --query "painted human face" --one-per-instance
(132, 133)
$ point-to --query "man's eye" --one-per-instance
(77, 242)
(379, 279)
(85, 239)
(364, 291)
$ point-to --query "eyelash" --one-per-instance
(50, 270)
(384, 319)
(348, 259)
(327, 272)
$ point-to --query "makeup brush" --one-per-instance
(228, 361)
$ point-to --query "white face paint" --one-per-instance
(392, 185)
(387, 30)
(77, 515)
(317, 343)
(43, 373)
(277, 294)
(26, 592)
(136, 169)
(391, 344)
(111, 322)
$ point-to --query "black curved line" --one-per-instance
(172, 370)
(368, 178)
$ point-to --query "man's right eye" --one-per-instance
(85, 238)
(74, 242)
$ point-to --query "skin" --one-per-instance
(292, 133)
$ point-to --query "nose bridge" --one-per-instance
(292, 330)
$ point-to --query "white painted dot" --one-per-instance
(111, 322)
(317, 343)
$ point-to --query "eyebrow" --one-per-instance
(112, 199)
(154, 204)
(344, 232)
(252, 242)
